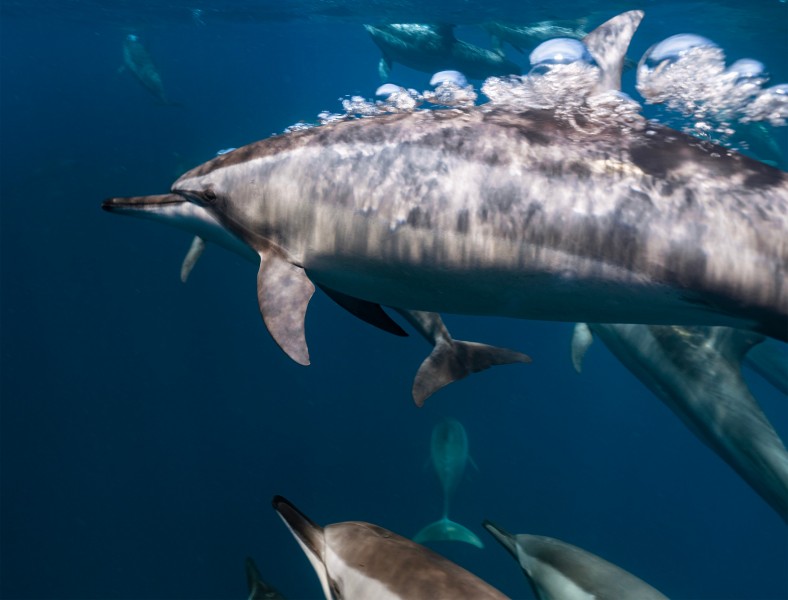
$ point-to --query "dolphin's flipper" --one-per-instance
(368, 312)
(283, 293)
(192, 256)
(384, 68)
(581, 340)
(446, 530)
(258, 588)
(770, 361)
(452, 360)
(608, 45)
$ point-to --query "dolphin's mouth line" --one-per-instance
(141, 202)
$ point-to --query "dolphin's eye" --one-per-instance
(209, 196)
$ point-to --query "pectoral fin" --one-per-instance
(581, 340)
(191, 258)
(368, 312)
(283, 292)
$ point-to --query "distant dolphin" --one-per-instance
(561, 571)
(522, 36)
(484, 211)
(449, 455)
(138, 60)
(432, 48)
(258, 588)
(450, 359)
(361, 561)
(696, 371)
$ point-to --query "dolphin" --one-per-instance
(486, 211)
(356, 560)
(696, 371)
(561, 571)
(449, 455)
(521, 36)
(450, 359)
(432, 48)
(138, 60)
(258, 588)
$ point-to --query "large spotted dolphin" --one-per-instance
(485, 211)
(561, 571)
(696, 372)
(359, 561)
(450, 359)
(432, 48)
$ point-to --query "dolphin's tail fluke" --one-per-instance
(451, 360)
(446, 530)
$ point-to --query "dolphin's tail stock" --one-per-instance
(446, 530)
(451, 360)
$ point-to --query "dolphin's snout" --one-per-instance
(140, 202)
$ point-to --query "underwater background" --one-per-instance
(146, 423)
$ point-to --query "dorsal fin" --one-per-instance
(608, 44)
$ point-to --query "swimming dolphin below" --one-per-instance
(258, 588)
(448, 455)
(450, 359)
(486, 211)
(561, 571)
(432, 48)
(359, 561)
(696, 372)
(138, 60)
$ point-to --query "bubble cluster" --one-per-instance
(687, 74)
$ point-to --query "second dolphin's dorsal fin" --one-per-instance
(608, 44)
(283, 293)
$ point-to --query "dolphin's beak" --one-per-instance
(140, 203)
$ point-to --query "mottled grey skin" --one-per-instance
(487, 212)
(561, 571)
(696, 372)
(138, 60)
(360, 561)
(433, 48)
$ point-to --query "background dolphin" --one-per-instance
(258, 588)
(360, 561)
(138, 60)
(696, 371)
(448, 455)
(433, 48)
(528, 35)
(561, 571)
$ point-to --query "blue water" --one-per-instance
(146, 424)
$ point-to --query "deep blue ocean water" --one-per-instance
(146, 424)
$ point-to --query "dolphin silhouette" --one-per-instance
(360, 561)
(484, 211)
(258, 588)
(432, 48)
(138, 60)
(449, 455)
